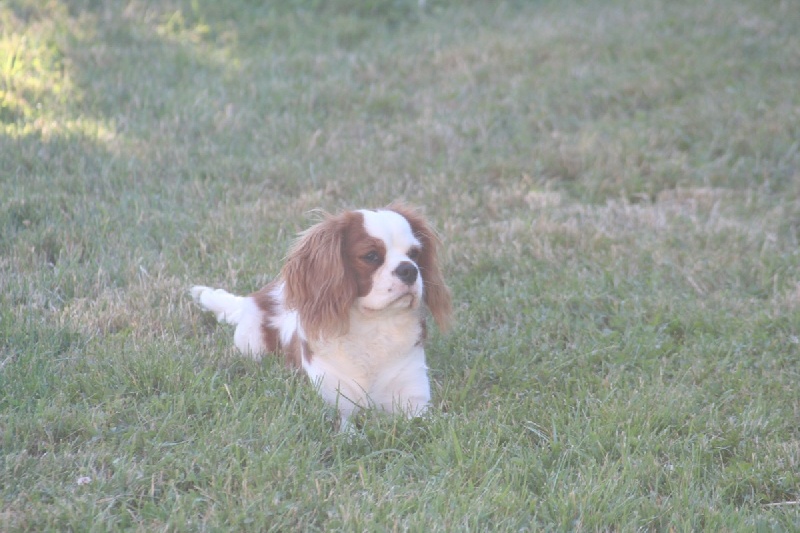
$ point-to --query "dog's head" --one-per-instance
(375, 261)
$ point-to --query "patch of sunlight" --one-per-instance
(31, 71)
(189, 30)
(36, 91)
(49, 128)
(181, 28)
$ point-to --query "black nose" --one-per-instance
(407, 272)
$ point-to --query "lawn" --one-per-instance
(617, 186)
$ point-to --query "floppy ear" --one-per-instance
(319, 283)
(435, 291)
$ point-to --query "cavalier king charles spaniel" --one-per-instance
(349, 309)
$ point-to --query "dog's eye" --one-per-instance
(372, 258)
(413, 254)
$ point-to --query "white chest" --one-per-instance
(378, 362)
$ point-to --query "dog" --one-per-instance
(348, 308)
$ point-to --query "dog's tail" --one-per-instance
(226, 306)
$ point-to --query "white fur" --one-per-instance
(379, 362)
(376, 364)
(396, 234)
(237, 310)
(285, 321)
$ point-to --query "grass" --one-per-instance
(618, 188)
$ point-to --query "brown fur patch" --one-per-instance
(320, 285)
(308, 355)
(269, 307)
(357, 244)
(423, 332)
(293, 353)
(297, 350)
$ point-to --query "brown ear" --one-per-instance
(318, 282)
(436, 293)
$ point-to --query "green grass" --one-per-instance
(618, 188)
